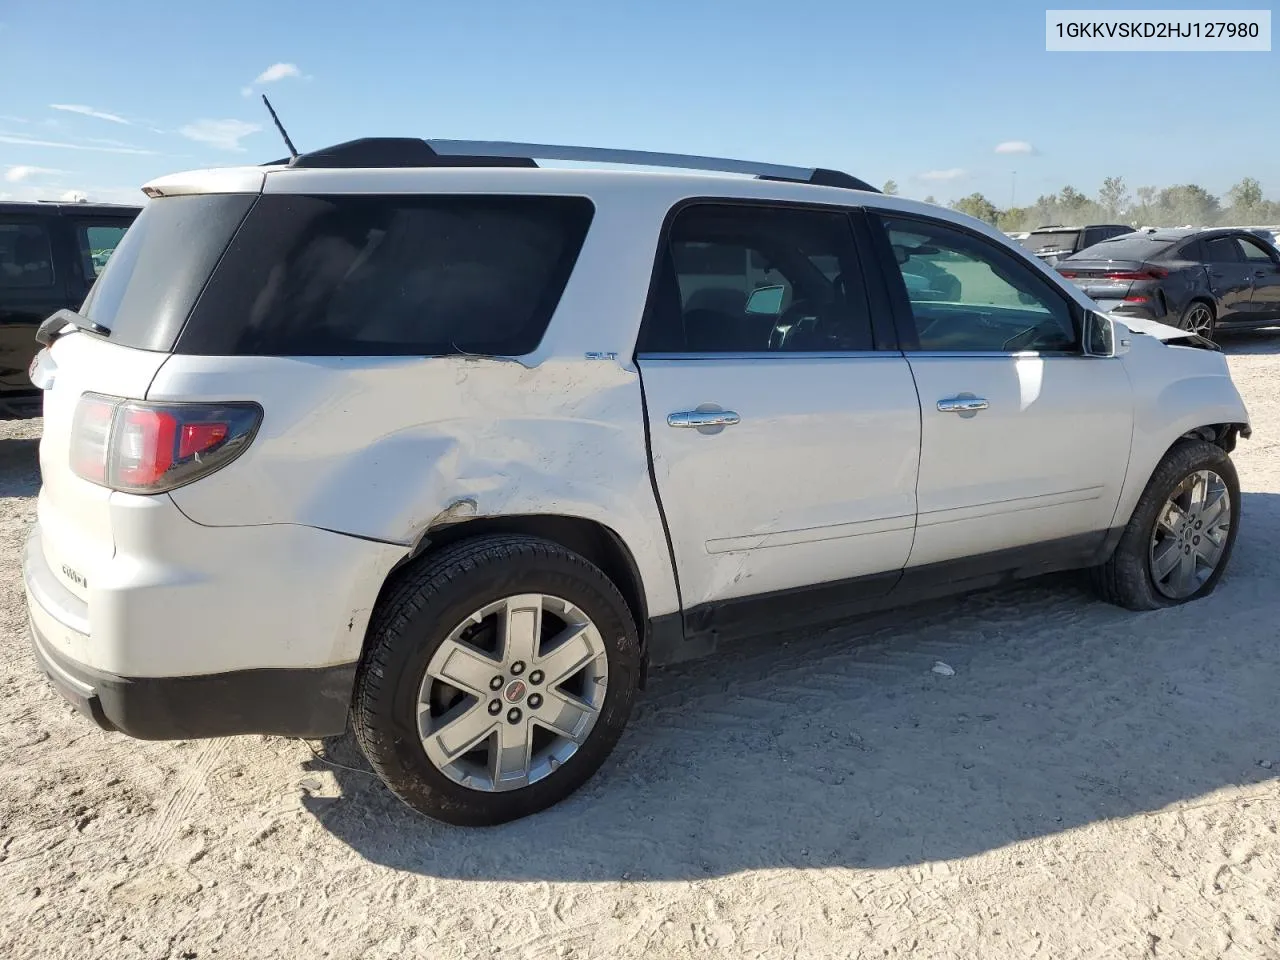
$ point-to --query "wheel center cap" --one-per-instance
(514, 691)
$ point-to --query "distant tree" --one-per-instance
(1247, 194)
(1187, 203)
(1014, 219)
(930, 199)
(890, 187)
(976, 205)
(1072, 199)
(1114, 196)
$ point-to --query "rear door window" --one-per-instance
(740, 278)
(26, 258)
(390, 276)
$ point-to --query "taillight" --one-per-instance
(1069, 274)
(91, 436)
(139, 447)
(1152, 273)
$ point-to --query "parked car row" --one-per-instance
(556, 426)
(1200, 280)
(50, 255)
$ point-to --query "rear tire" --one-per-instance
(1199, 317)
(1166, 526)
(459, 615)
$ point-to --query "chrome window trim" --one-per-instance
(992, 354)
(775, 355)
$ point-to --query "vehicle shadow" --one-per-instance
(1266, 340)
(846, 749)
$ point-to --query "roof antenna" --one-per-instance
(293, 151)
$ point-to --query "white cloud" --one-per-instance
(278, 71)
(8, 119)
(1015, 146)
(222, 134)
(943, 176)
(20, 173)
(62, 145)
(84, 111)
(273, 74)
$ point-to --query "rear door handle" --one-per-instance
(962, 405)
(702, 418)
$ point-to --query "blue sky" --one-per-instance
(101, 97)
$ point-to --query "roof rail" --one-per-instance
(412, 152)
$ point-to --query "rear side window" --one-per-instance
(26, 261)
(1188, 251)
(154, 276)
(390, 276)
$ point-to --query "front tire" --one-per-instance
(1179, 540)
(498, 675)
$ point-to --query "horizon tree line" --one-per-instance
(1185, 204)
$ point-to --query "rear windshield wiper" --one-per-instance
(52, 328)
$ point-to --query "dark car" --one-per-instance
(50, 254)
(1199, 280)
(1051, 244)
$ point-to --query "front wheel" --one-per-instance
(498, 676)
(1179, 539)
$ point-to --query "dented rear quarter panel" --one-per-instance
(378, 448)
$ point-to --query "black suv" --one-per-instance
(50, 254)
(1053, 243)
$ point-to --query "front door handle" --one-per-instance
(702, 418)
(962, 405)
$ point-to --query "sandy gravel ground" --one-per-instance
(1089, 783)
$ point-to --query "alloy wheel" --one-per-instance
(1199, 320)
(1190, 535)
(512, 692)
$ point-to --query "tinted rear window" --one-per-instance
(152, 280)
(1056, 240)
(1125, 248)
(387, 276)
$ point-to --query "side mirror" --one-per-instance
(1103, 336)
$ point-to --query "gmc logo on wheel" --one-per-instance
(74, 577)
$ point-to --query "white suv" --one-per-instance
(419, 435)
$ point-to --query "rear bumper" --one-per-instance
(290, 703)
(186, 650)
(1124, 308)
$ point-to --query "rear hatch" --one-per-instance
(211, 302)
(142, 298)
